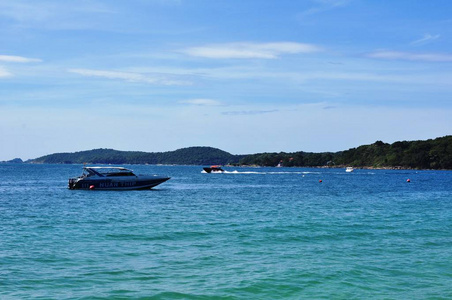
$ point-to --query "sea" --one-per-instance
(248, 233)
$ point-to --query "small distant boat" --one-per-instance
(213, 169)
(113, 178)
(349, 169)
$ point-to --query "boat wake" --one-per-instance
(260, 173)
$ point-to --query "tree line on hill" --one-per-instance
(428, 154)
(184, 156)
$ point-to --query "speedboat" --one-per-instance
(113, 178)
(213, 169)
(349, 169)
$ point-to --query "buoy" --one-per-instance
(320, 180)
(408, 180)
(91, 187)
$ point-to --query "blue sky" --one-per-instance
(242, 76)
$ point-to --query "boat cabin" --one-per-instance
(106, 171)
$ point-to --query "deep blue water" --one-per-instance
(260, 233)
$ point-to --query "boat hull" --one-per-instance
(114, 184)
(213, 170)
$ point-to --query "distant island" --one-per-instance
(429, 154)
(13, 161)
(184, 156)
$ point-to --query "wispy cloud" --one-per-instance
(202, 102)
(4, 73)
(251, 50)
(50, 14)
(18, 59)
(129, 76)
(325, 5)
(249, 112)
(424, 40)
(427, 57)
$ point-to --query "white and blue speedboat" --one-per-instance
(113, 178)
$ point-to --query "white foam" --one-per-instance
(260, 173)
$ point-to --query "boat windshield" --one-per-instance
(107, 172)
(128, 173)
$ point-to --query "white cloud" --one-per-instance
(426, 39)
(52, 14)
(129, 76)
(251, 50)
(428, 57)
(202, 102)
(325, 5)
(249, 112)
(4, 73)
(18, 59)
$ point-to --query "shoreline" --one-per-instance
(341, 167)
(238, 166)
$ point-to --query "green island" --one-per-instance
(427, 154)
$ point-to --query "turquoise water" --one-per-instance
(260, 233)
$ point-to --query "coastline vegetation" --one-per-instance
(184, 156)
(427, 154)
(430, 154)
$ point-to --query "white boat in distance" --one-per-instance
(113, 178)
(349, 169)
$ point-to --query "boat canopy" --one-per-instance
(108, 171)
(111, 168)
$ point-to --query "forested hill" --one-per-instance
(429, 154)
(185, 156)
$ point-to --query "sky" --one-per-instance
(243, 76)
